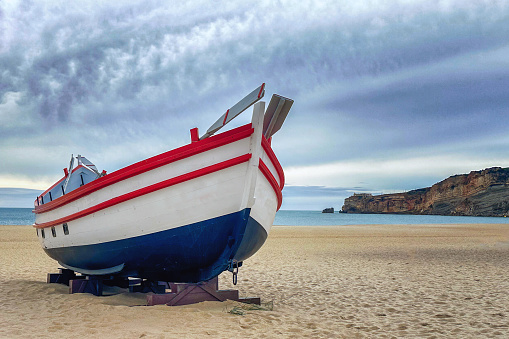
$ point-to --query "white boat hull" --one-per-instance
(182, 216)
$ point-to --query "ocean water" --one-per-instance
(24, 216)
(314, 218)
(16, 216)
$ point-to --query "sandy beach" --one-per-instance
(383, 281)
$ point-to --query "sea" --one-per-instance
(16, 216)
(24, 216)
(317, 218)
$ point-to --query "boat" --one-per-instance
(185, 215)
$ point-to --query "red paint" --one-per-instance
(146, 165)
(261, 90)
(194, 135)
(149, 189)
(225, 117)
(275, 162)
(66, 172)
(272, 181)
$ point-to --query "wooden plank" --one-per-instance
(235, 110)
(275, 115)
(181, 295)
(93, 286)
(61, 278)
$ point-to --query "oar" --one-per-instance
(235, 110)
(276, 114)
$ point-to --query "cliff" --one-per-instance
(479, 193)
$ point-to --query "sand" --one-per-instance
(382, 281)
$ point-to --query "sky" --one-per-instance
(389, 96)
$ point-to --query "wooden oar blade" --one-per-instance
(275, 115)
(235, 110)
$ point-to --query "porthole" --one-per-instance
(53, 232)
(66, 228)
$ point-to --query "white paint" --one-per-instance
(219, 193)
(156, 175)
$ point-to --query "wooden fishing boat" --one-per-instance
(185, 215)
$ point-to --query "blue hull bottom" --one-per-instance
(192, 253)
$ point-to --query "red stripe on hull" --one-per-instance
(272, 181)
(275, 162)
(149, 164)
(149, 189)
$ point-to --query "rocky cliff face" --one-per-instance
(479, 193)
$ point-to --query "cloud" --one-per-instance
(73, 56)
(18, 197)
(316, 197)
(372, 81)
(458, 101)
(377, 175)
(314, 187)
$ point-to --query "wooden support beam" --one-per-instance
(146, 286)
(91, 285)
(180, 293)
(61, 278)
(185, 294)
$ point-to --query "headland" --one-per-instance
(479, 193)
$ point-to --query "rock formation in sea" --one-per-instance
(328, 210)
(479, 193)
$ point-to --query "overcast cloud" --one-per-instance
(389, 95)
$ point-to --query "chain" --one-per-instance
(233, 266)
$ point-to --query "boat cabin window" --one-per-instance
(37, 231)
(53, 232)
(66, 228)
(85, 173)
(42, 234)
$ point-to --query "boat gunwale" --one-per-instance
(56, 183)
(166, 158)
(146, 165)
(148, 189)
